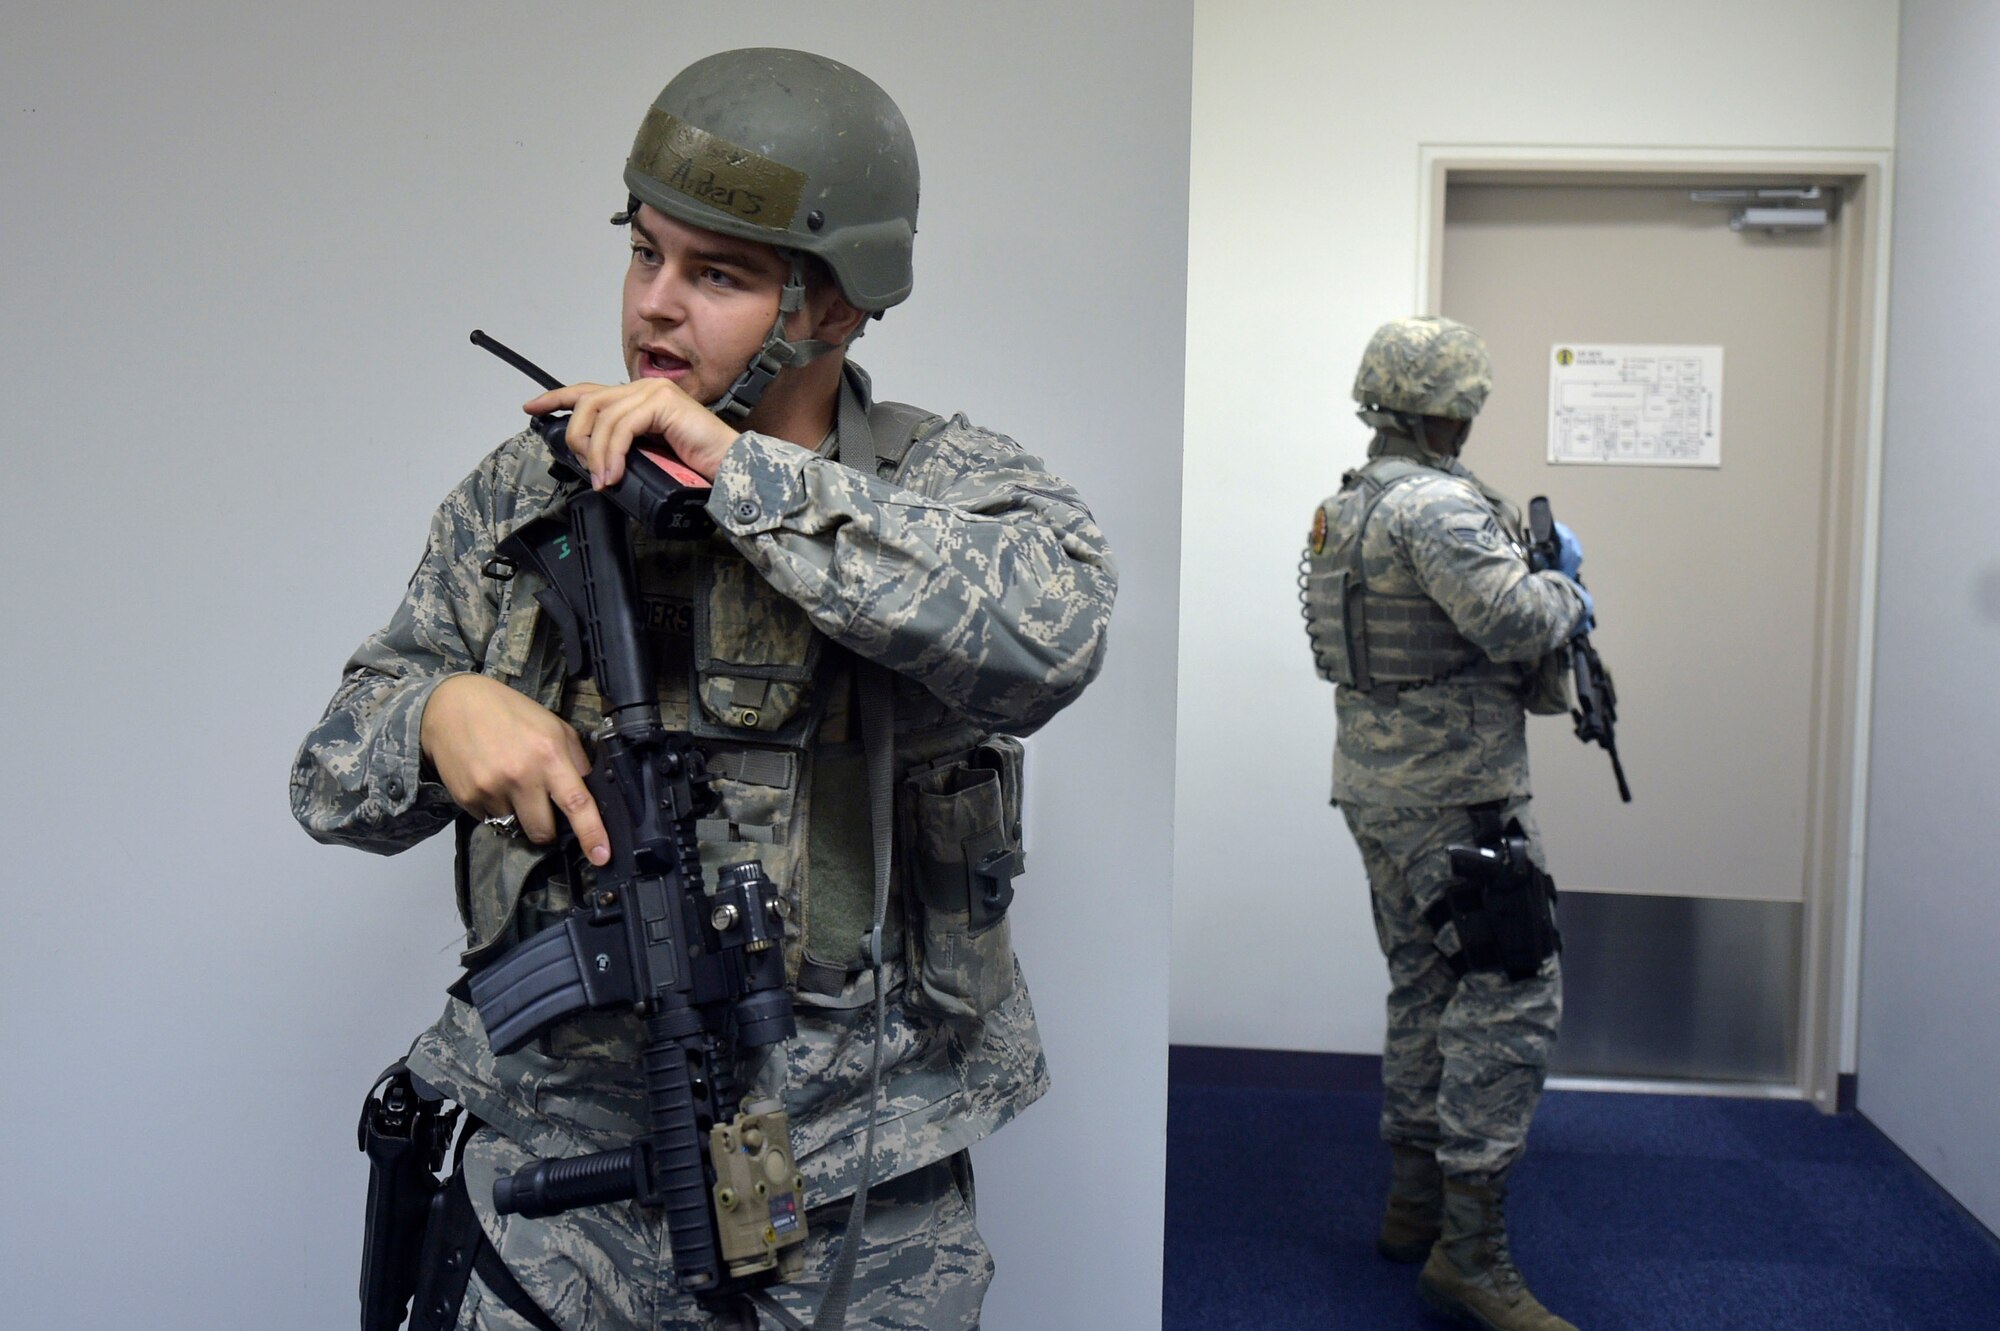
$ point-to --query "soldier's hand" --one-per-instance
(1587, 621)
(499, 752)
(1569, 552)
(606, 419)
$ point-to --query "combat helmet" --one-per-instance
(1424, 366)
(793, 150)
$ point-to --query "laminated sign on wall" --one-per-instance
(1635, 406)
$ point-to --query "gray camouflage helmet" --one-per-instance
(790, 149)
(1425, 366)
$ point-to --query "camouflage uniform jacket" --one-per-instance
(1447, 537)
(974, 574)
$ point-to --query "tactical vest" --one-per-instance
(1372, 641)
(772, 701)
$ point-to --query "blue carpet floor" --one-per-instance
(1629, 1213)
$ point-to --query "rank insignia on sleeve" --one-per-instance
(1487, 535)
(1319, 531)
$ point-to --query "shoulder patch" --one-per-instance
(1317, 537)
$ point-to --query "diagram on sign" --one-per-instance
(1635, 406)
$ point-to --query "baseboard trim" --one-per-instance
(1739, 1090)
(1313, 1070)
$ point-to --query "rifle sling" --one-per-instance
(878, 731)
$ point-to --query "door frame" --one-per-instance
(1850, 507)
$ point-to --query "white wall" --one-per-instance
(1303, 236)
(1930, 1049)
(244, 246)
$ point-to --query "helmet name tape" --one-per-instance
(716, 172)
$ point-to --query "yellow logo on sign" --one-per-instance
(1565, 357)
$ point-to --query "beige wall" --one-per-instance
(1303, 235)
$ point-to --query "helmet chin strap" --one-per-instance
(1410, 426)
(1421, 435)
(778, 353)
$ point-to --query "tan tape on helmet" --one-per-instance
(716, 172)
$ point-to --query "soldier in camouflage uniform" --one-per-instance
(773, 204)
(1422, 608)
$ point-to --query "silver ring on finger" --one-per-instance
(506, 824)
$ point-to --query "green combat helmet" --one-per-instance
(793, 150)
(1426, 366)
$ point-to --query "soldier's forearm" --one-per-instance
(998, 605)
(358, 778)
(1524, 622)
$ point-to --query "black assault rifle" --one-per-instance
(705, 972)
(1596, 712)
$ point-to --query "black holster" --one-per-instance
(404, 1133)
(423, 1240)
(1501, 902)
(452, 1240)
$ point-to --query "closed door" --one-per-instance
(1707, 580)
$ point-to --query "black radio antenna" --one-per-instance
(516, 359)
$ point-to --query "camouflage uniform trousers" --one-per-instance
(1465, 1059)
(922, 1266)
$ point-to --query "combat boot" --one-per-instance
(1416, 1201)
(1471, 1275)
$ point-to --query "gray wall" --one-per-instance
(244, 245)
(1929, 1062)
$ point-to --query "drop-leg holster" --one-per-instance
(422, 1240)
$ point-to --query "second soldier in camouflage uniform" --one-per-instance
(773, 205)
(1461, 638)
